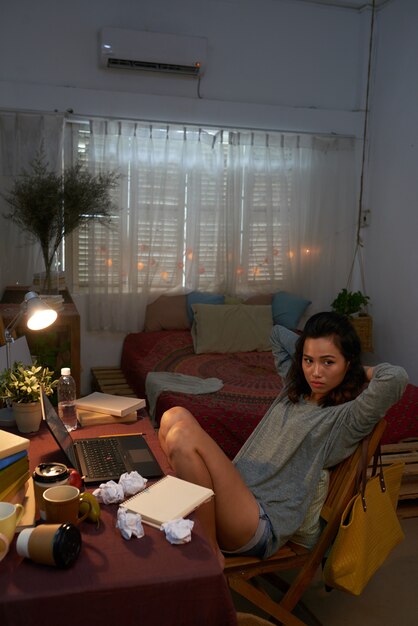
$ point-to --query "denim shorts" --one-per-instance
(260, 542)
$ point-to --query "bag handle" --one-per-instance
(361, 480)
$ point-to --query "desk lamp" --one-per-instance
(39, 316)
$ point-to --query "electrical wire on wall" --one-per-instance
(359, 242)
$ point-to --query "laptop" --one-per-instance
(99, 459)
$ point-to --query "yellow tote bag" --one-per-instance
(366, 535)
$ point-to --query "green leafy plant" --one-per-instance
(50, 206)
(22, 383)
(350, 302)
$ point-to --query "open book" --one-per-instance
(167, 499)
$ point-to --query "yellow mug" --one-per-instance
(10, 515)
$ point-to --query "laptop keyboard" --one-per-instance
(102, 457)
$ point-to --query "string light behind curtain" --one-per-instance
(230, 212)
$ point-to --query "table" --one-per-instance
(64, 333)
(137, 582)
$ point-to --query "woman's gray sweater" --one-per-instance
(282, 459)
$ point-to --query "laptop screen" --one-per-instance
(57, 428)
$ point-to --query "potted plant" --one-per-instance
(21, 386)
(50, 206)
(353, 304)
(350, 302)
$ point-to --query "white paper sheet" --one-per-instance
(19, 351)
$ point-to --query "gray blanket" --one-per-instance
(156, 382)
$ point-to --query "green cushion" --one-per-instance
(231, 328)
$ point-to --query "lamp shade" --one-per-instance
(39, 314)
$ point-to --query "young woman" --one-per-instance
(262, 497)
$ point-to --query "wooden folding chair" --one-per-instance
(245, 574)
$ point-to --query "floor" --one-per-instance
(390, 598)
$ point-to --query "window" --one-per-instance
(180, 219)
(212, 210)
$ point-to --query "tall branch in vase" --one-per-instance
(50, 206)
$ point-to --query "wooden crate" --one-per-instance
(406, 451)
(111, 380)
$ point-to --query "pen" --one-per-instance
(123, 435)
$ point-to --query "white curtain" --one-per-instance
(299, 214)
(156, 244)
(22, 135)
(322, 218)
(229, 212)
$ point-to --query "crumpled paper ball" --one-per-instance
(178, 531)
(132, 483)
(129, 524)
(109, 493)
(128, 485)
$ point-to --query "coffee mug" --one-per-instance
(62, 504)
(10, 515)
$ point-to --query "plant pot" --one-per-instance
(28, 416)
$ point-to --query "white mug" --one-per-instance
(10, 515)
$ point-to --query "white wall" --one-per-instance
(278, 64)
(391, 250)
(271, 64)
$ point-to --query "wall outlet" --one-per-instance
(365, 218)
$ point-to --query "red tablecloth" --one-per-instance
(141, 581)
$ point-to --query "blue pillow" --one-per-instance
(288, 309)
(201, 297)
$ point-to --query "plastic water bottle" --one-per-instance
(67, 409)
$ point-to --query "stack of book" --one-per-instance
(14, 466)
(105, 408)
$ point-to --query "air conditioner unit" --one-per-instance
(153, 52)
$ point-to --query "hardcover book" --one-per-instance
(8, 494)
(11, 443)
(8, 460)
(13, 472)
(110, 404)
(94, 418)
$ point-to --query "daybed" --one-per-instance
(229, 342)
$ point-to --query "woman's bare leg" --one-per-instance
(231, 518)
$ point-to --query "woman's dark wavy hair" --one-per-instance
(339, 328)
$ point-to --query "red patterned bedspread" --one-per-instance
(250, 386)
(402, 418)
(229, 415)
